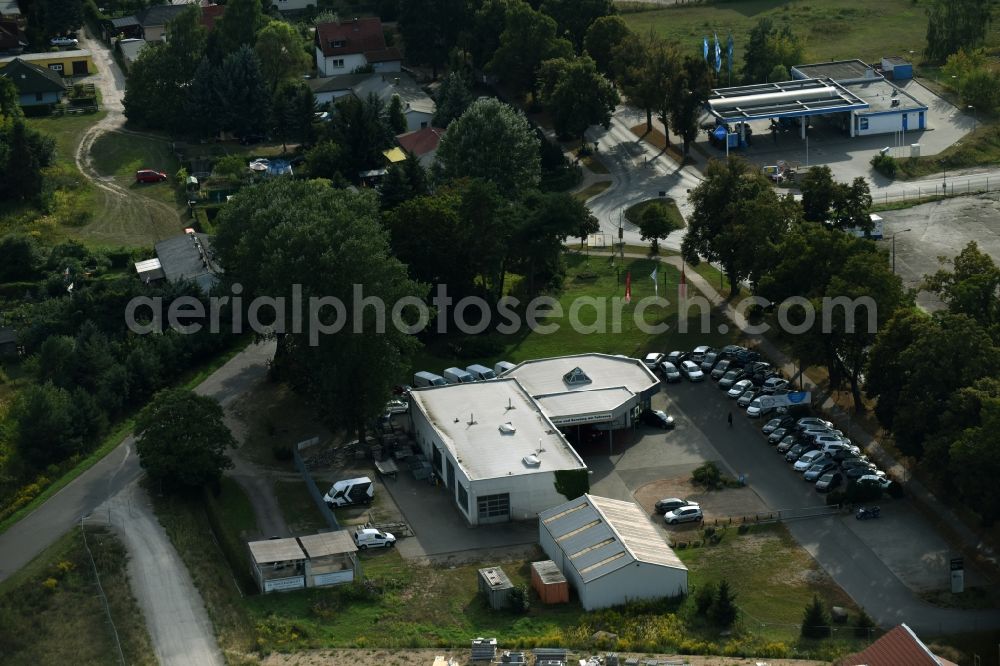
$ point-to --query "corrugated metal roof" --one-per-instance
(548, 572)
(601, 535)
(276, 550)
(468, 419)
(545, 376)
(328, 543)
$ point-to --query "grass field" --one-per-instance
(50, 612)
(593, 279)
(829, 30)
(301, 513)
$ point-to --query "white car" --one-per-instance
(397, 407)
(773, 384)
(692, 371)
(369, 537)
(63, 41)
(739, 387)
(653, 360)
(754, 409)
(881, 481)
(808, 460)
(684, 514)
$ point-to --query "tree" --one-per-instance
(403, 181)
(819, 191)
(768, 48)
(974, 457)
(548, 219)
(815, 620)
(690, 88)
(704, 596)
(237, 28)
(24, 153)
(851, 206)
(452, 99)
(737, 221)
(492, 141)
(293, 111)
(528, 39)
(44, 433)
(487, 24)
(243, 93)
(723, 611)
(10, 104)
(972, 287)
(646, 68)
(603, 38)
(181, 439)
(395, 116)
(284, 235)
(886, 374)
(576, 95)
(325, 160)
(956, 24)
(655, 224)
(361, 129)
(62, 16)
(574, 17)
(203, 101)
(279, 49)
(20, 257)
(431, 28)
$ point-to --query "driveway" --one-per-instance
(179, 627)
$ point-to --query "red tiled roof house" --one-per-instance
(899, 647)
(344, 46)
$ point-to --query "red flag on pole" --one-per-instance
(682, 286)
(628, 287)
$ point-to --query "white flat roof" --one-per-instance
(49, 55)
(328, 543)
(545, 376)
(601, 535)
(468, 418)
(276, 550)
(573, 407)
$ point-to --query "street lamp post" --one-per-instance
(975, 117)
(903, 231)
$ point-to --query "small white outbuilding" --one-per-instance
(610, 552)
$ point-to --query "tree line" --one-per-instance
(24, 152)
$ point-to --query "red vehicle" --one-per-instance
(149, 176)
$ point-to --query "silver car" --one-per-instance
(684, 514)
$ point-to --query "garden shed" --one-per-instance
(277, 564)
(496, 586)
(330, 559)
(549, 582)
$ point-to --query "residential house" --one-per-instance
(36, 86)
(12, 41)
(66, 63)
(418, 107)
(125, 27)
(422, 144)
(153, 20)
(898, 647)
(292, 5)
(210, 14)
(343, 47)
(130, 50)
(328, 89)
(188, 257)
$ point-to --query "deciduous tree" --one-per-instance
(971, 287)
(767, 48)
(655, 225)
(181, 440)
(431, 28)
(689, 90)
(954, 25)
(237, 28)
(602, 40)
(574, 17)
(243, 93)
(452, 99)
(281, 54)
(528, 39)
(576, 95)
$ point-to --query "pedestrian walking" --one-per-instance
(730, 419)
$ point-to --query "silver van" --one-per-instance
(502, 367)
(480, 372)
(457, 376)
(424, 379)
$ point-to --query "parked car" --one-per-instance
(658, 418)
(707, 363)
(671, 503)
(779, 422)
(676, 357)
(850, 453)
(855, 473)
(808, 459)
(698, 355)
(370, 537)
(747, 397)
(797, 451)
(397, 407)
(737, 389)
(684, 514)
(692, 371)
(64, 41)
(829, 481)
(777, 435)
(721, 368)
(881, 481)
(773, 384)
(731, 378)
(807, 421)
(818, 469)
(670, 372)
(653, 360)
(786, 444)
(754, 409)
(149, 176)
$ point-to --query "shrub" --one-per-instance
(723, 611)
(859, 493)
(50, 584)
(815, 620)
(885, 165)
(835, 497)
(520, 601)
(863, 626)
(709, 531)
(895, 490)
(707, 475)
(704, 596)
(743, 529)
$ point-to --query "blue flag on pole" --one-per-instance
(718, 54)
(729, 54)
(705, 47)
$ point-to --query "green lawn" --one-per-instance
(634, 213)
(829, 30)
(301, 513)
(50, 612)
(595, 278)
(121, 155)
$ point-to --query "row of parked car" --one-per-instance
(821, 453)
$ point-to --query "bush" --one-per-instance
(885, 165)
(704, 596)
(815, 620)
(863, 626)
(723, 611)
(835, 497)
(520, 601)
(743, 529)
(707, 475)
(895, 490)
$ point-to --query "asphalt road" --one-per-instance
(837, 543)
(23, 541)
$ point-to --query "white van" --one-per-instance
(424, 379)
(457, 376)
(372, 538)
(502, 367)
(480, 372)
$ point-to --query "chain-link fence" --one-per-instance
(926, 189)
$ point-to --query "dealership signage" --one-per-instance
(786, 400)
(580, 419)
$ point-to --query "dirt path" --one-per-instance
(178, 625)
(119, 203)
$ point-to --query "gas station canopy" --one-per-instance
(783, 99)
